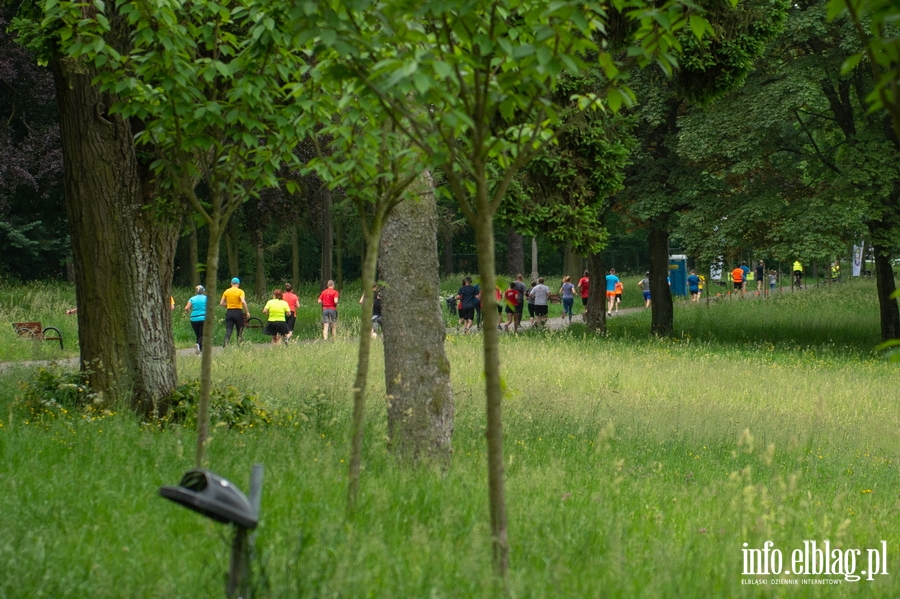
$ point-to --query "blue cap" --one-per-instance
(235, 281)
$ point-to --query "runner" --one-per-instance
(693, 282)
(619, 289)
(328, 299)
(541, 295)
(737, 276)
(235, 310)
(611, 280)
(513, 311)
(520, 305)
(294, 302)
(196, 309)
(468, 299)
(567, 292)
(277, 310)
(760, 276)
(645, 289)
(584, 288)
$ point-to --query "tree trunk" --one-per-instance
(448, 252)
(295, 258)
(534, 259)
(888, 310)
(259, 281)
(339, 252)
(194, 255)
(231, 250)
(417, 373)
(123, 255)
(515, 253)
(595, 316)
(661, 308)
(327, 238)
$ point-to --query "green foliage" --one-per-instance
(52, 391)
(229, 406)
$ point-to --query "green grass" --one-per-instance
(635, 468)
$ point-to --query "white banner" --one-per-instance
(857, 259)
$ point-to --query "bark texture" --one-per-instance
(515, 253)
(327, 238)
(887, 306)
(595, 314)
(662, 312)
(420, 405)
(123, 255)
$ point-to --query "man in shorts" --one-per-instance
(760, 276)
(328, 299)
(737, 276)
(520, 306)
(512, 300)
(611, 280)
(693, 282)
(645, 289)
(235, 309)
(541, 295)
(293, 303)
(468, 297)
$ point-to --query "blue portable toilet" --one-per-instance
(678, 274)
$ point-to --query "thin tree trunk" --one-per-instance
(887, 306)
(212, 271)
(515, 253)
(420, 405)
(295, 257)
(327, 238)
(661, 307)
(194, 254)
(259, 287)
(123, 255)
(534, 258)
(339, 251)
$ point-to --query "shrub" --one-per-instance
(228, 406)
(54, 392)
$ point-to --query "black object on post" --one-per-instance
(214, 497)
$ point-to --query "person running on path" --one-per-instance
(277, 310)
(584, 288)
(530, 300)
(468, 298)
(798, 274)
(619, 289)
(520, 305)
(693, 282)
(773, 278)
(512, 299)
(235, 309)
(611, 280)
(328, 299)
(645, 289)
(541, 295)
(737, 276)
(760, 276)
(196, 309)
(567, 292)
(377, 320)
(294, 302)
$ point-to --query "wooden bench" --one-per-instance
(33, 330)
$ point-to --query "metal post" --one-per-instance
(238, 585)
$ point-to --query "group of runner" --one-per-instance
(281, 312)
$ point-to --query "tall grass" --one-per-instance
(635, 468)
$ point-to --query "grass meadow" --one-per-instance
(636, 467)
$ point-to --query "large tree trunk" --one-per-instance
(515, 253)
(661, 307)
(888, 310)
(416, 370)
(231, 251)
(327, 238)
(123, 255)
(259, 287)
(595, 315)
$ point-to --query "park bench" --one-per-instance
(34, 330)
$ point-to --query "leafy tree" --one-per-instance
(473, 68)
